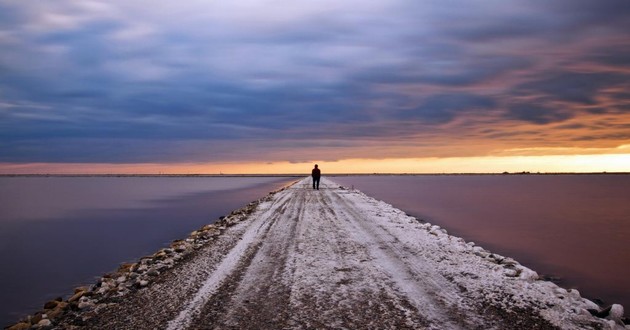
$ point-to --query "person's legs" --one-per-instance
(314, 180)
(317, 183)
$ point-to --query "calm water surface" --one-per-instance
(575, 227)
(59, 232)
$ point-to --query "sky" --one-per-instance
(274, 86)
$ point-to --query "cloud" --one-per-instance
(574, 87)
(537, 114)
(441, 108)
(114, 82)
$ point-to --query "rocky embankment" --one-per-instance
(86, 301)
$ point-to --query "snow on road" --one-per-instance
(336, 258)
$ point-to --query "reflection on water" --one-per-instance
(575, 227)
(57, 233)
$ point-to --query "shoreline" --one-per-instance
(130, 278)
(294, 175)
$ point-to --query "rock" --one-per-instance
(76, 296)
(55, 313)
(37, 317)
(160, 254)
(575, 294)
(153, 272)
(125, 267)
(528, 274)
(20, 326)
(590, 305)
(616, 313)
(509, 262)
(143, 283)
(81, 288)
(600, 313)
(479, 251)
(44, 323)
(62, 305)
(86, 304)
(51, 304)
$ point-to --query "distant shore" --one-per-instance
(140, 175)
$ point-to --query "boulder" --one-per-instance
(76, 296)
(20, 326)
(44, 323)
(51, 304)
(37, 317)
(54, 313)
(125, 267)
(86, 304)
(616, 313)
(528, 274)
(81, 288)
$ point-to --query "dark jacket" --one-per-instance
(316, 173)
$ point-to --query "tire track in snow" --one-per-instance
(226, 268)
(424, 287)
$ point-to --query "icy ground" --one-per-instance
(335, 258)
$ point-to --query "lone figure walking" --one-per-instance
(316, 174)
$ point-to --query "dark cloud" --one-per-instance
(577, 87)
(617, 56)
(443, 108)
(133, 81)
(537, 114)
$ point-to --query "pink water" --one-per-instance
(573, 227)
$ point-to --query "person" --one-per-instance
(316, 174)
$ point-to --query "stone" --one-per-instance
(44, 323)
(590, 304)
(51, 304)
(180, 249)
(153, 272)
(20, 326)
(575, 294)
(616, 313)
(86, 304)
(76, 296)
(143, 283)
(528, 274)
(509, 262)
(125, 267)
(37, 317)
(54, 313)
(81, 288)
(160, 255)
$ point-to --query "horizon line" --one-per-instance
(292, 174)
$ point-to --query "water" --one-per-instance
(574, 227)
(59, 232)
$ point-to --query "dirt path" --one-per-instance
(335, 258)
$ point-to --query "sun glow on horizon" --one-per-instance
(486, 164)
